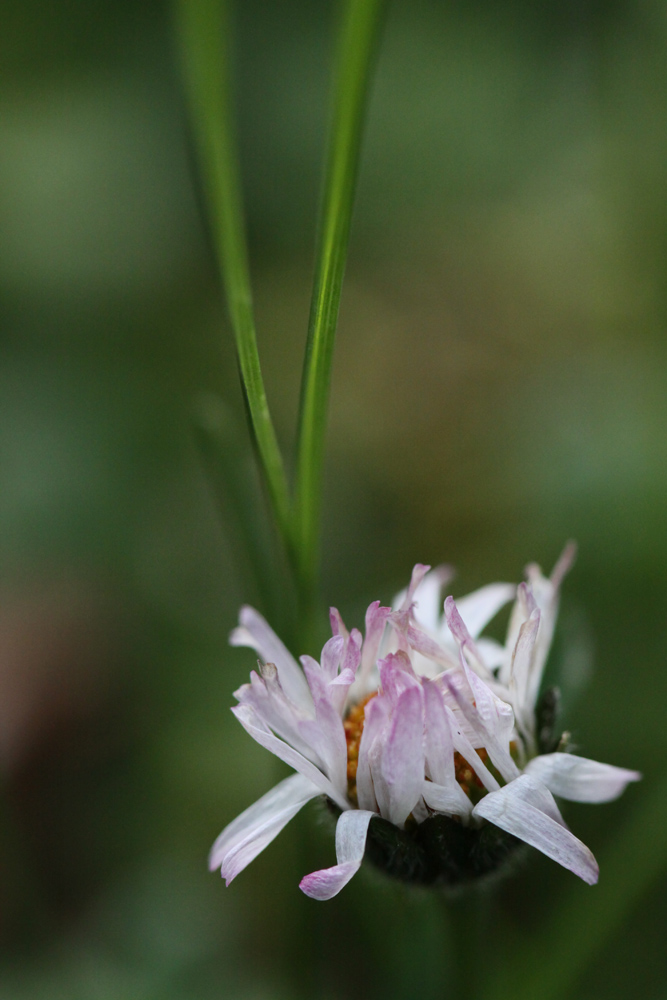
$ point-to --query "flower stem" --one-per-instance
(352, 73)
(204, 34)
(464, 917)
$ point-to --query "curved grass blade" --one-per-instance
(204, 30)
(352, 72)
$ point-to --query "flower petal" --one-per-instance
(401, 770)
(419, 571)
(376, 718)
(439, 744)
(254, 726)
(256, 632)
(246, 836)
(477, 609)
(580, 779)
(451, 800)
(326, 735)
(376, 620)
(427, 598)
(462, 636)
(265, 696)
(351, 832)
(526, 809)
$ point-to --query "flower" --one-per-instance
(428, 741)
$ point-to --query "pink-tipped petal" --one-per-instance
(396, 675)
(352, 657)
(256, 632)
(376, 620)
(462, 636)
(337, 623)
(525, 808)
(580, 779)
(246, 836)
(419, 571)
(351, 833)
(332, 654)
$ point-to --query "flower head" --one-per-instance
(428, 740)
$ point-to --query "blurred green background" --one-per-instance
(498, 388)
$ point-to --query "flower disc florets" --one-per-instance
(427, 739)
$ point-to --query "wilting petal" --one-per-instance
(259, 732)
(351, 832)
(463, 745)
(520, 672)
(396, 675)
(246, 836)
(332, 654)
(376, 620)
(477, 609)
(402, 763)
(580, 779)
(427, 598)
(451, 800)
(418, 573)
(491, 716)
(265, 696)
(462, 636)
(376, 718)
(337, 623)
(256, 632)
(525, 808)
(439, 745)
(326, 735)
(422, 643)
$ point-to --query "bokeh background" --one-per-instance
(498, 389)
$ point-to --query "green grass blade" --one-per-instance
(357, 45)
(203, 30)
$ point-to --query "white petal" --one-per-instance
(525, 808)
(246, 836)
(477, 609)
(451, 800)
(351, 833)
(520, 673)
(428, 598)
(259, 732)
(256, 632)
(438, 737)
(491, 652)
(580, 779)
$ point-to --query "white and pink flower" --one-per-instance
(419, 721)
